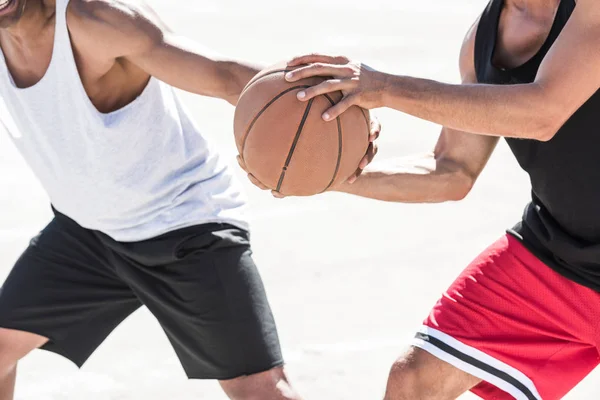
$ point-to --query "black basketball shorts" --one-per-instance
(74, 286)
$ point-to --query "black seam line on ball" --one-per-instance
(270, 103)
(340, 146)
(294, 144)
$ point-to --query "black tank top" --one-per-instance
(561, 225)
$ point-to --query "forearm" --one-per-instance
(203, 71)
(190, 66)
(413, 181)
(518, 111)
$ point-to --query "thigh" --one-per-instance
(516, 324)
(64, 289)
(14, 345)
(209, 299)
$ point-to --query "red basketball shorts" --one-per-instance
(510, 320)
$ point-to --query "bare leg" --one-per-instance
(419, 375)
(7, 384)
(270, 385)
(14, 345)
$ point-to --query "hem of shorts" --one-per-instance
(228, 377)
(500, 384)
(56, 348)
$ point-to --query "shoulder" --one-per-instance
(119, 26)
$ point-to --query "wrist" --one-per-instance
(346, 187)
(237, 75)
(389, 89)
(249, 71)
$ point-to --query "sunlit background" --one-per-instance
(349, 279)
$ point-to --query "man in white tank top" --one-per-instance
(145, 213)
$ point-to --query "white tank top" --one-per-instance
(132, 174)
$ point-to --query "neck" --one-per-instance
(33, 20)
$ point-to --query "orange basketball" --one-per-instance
(286, 144)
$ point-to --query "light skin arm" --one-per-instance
(567, 78)
(130, 30)
(446, 175)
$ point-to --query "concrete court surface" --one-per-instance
(349, 279)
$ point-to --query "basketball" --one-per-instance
(286, 144)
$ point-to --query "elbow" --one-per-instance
(458, 195)
(540, 125)
(459, 189)
(544, 136)
(458, 182)
(547, 129)
(549, 119)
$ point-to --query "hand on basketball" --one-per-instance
(361, 85)
(371, 151)
(255, 181)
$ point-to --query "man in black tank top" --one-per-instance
(523, 320)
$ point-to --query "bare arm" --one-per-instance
(131, 30)
(447, 174)
(567, 78)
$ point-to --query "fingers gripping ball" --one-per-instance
(286, 144)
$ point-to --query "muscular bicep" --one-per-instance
(461, 151)
(570, 73)
(132, 31)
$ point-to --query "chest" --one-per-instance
(109, 83)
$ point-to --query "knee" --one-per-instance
(269, 385)
(407, 379)
(419, 375)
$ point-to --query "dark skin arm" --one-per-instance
(447, 174)
(530, 111)
(129, 31)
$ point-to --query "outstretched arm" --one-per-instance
(447, 174)
(131, 30)
(567, 78)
